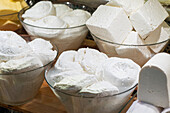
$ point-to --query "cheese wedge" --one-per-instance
(154, 81)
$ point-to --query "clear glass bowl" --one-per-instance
(82, 104)
(109, 48)
(19, 88)
(10, 22)
(65, 38)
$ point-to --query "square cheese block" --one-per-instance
(148, 17)
(130, 6)
(109, 23)
(142, 107)
(160, 34)
(154, 81)
(139, 54)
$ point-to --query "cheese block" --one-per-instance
(160, 34)
(154, 81)
(167, 110)
(9, 25)
(109, 23)
(130, 6)
(139, 54)
(142, 107)
(148, 17)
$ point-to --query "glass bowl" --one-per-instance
(17, 88)
(110, 48)
(83, 104)
(9, 22)
(65, 38)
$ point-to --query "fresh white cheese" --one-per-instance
(40, 10)
(122, 73)
(76, 17)
(130, 6)
(139, 54)
(142, 107)
(100, 89)
(148, 17)
(109, 23)
(62, 9)
(75, 83)
(167, 110)
(154, 81)
(160, 34)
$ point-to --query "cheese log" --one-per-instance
(141, 107)
(154, 81)
(109, 23)
(148, 17)
(139, 54)
(160, 34)
(167, 110)
(130, 6)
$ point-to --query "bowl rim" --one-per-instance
(83, 96)
(50, 62)
(26, 8)
(151, 44)
(9, 14)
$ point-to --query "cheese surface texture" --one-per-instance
(142, 107)
(154, 81)
(148, 17)
(109, 23)
(130, 6)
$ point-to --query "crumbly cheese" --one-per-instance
(61, 9)
(100, 89)
(142, 107)
(154, 81)
(139, 54)
(122, 73)
(148, 17)
(110, 23)
(160, 34)
(130, 6)
(40, 10)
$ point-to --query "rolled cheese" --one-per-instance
(154, 81)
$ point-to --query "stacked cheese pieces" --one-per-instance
(154, 82)
(131, 22)
(7, 7)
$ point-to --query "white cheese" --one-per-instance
(40, 10)
(142, 107)
(130, 6)
(154, 81)
(90, 59)
(167, 110)
(62, 9)
(160, 34)
(75, 83)
(109, 23)
(148, 17)
(122, 73)
(100, 89)
(12, 46)
(76, 17)
(139, 54)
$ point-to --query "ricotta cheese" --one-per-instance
(61, 9)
